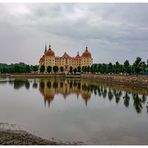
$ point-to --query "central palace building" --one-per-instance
(66, 61)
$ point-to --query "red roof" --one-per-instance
(78, 57)
(50, 52)
(42, 59)
(65, 55)
(58, 58)
(86, 53)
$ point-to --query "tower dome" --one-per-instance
(86, 53)
(50, 52)
(78, 57)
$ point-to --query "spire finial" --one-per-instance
(45, 48)
(86, 48)
(49, 46)
(78, 53)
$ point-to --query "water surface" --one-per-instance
(76, 110)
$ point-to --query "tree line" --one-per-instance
(17, 68)
(138, 67)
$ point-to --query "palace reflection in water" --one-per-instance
(49, 88)
(86, 89)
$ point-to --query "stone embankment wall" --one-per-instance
(27, 75)
(136, 81)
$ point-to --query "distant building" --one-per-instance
(67, 62)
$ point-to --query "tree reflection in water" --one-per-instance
(110, 94)
(35, 85)
(137, 103)
(27, 84)
(126, 99)
(85, 89)
(21, 83)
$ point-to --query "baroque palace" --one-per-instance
(66, 61)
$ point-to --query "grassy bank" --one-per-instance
(127, 80)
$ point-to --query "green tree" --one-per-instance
(75, 70)
(17, 69)
(35, 68)
(61, 68)
(117, 67)
(55, 69)
(83, 69)
(71, 69)
(28, 69)
(99, 68)
(147, 68)
(88, 69)
(79, 68)
(110, 68)
(137, 65)
(42, 68)
(21, 68)
(49, 69)
(127, 66)
(94, 68)
(143, 67)
(103, 68)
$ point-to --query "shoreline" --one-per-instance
(38, 76)
(21, 137)
(126, 80)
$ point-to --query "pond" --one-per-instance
(75, 110)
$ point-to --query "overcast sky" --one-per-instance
(112, 32)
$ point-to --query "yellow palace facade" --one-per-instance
(66, 61)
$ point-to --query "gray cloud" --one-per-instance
(112, 31)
